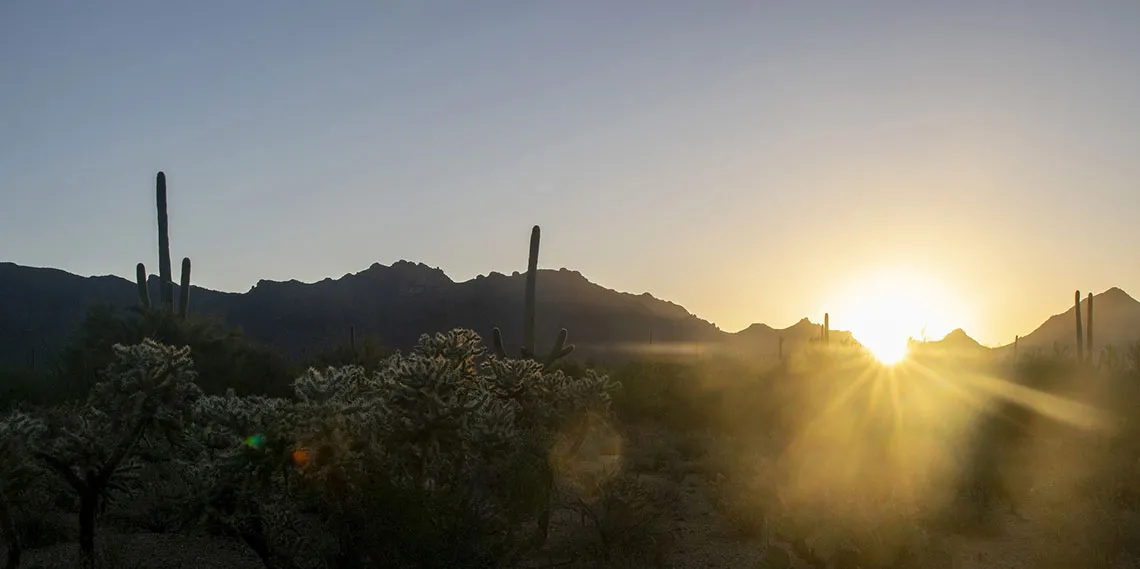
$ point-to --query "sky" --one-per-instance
(751, 161)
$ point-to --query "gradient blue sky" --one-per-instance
(745, 159)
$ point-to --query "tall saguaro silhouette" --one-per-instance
(165, 273)
(560, 348)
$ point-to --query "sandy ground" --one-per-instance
(1041, 539)
(704, 542)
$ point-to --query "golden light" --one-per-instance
(883, 312)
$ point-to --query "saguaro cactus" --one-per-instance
(166, 284)
(140, 281)
(1080, 333)
(165, 274)
(825, 333)
(560, 349)
(1089, 330)
(184, 289)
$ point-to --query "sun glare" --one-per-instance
(884, 312)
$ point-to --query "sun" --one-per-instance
(888, 309)
(888, 352)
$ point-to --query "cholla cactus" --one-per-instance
(441, 441)
(94, 446)
(239, 469)
(16, 470)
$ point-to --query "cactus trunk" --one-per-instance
(184, 289)
(531, 278)
(165, 273)
(1089, 330)
(140, 282)
(1080, 332)
(560, 348)
(826, 328)
(166, 284)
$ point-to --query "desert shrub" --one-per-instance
(442, 457)
(759, 499)
(438, 458)
(666, 392)
(571, 367)
(96, 447)
(1046, 371)
(40, 528)
(742, 503)
(857, 534)
(223, 357)
(158, 500)
(20, 385)
(692, 446)
(627, 519)
(368, 353)
(16, 472)
(237, 465)
(742, 488)
(650, 449)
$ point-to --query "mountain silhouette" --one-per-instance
(1116, 321)
(955, 344)
(41, 307)
(761, 339)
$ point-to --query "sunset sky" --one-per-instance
(752, 161)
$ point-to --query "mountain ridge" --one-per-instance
(39, 306)
(1116, 321)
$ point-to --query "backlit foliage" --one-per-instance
(433, 459)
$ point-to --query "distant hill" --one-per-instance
(764, 340)
(39, 309)
(956, 343)
(1116, 321)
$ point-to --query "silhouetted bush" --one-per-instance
(224, 358)
(368, 353)
(22, 385)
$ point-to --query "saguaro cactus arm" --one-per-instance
(560, 349)
(497, 339)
